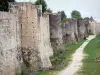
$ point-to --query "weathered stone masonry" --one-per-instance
(44, 43)
(25, 39)
(94, 27)
(70, 32)
(55, 30)
(36, 47)
(10, 43)
(74, 30)
(82, 29)
(28, 37)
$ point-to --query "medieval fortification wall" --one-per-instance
(30, 37)
(94, 27)
(25, 39)
(10, 43)
(55, 30)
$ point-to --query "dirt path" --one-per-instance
(76, 59)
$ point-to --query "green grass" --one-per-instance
(90, 65)
(71, 48)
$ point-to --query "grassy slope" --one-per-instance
(71, 49)
(90, 65)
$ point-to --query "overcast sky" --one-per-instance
(86, 7)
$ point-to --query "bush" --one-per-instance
(58, 59)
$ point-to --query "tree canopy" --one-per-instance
(91, 18)
(63, 15)
(76, 14)
(4, 4)
(49, 10)
(86, 18)
(43, 3)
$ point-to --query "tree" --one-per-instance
(4, 4)
(63, 15)
(43, 3)
(91, 18)
(87, 18)
(76, 14)
(49, 10)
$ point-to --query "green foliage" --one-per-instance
(64, 20)
(43, 3)
(86, 18)
(49, 72)
(49, 10)
(24, 72)
(62, 58)
(4, 4)
(63, 15)
(76, 14)
(58, 58)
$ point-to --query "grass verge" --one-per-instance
(66, 56)
(90, 64)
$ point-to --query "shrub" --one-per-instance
(58, 59)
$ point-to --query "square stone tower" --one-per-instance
(55, 30)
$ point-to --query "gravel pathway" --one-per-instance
(76, 59)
